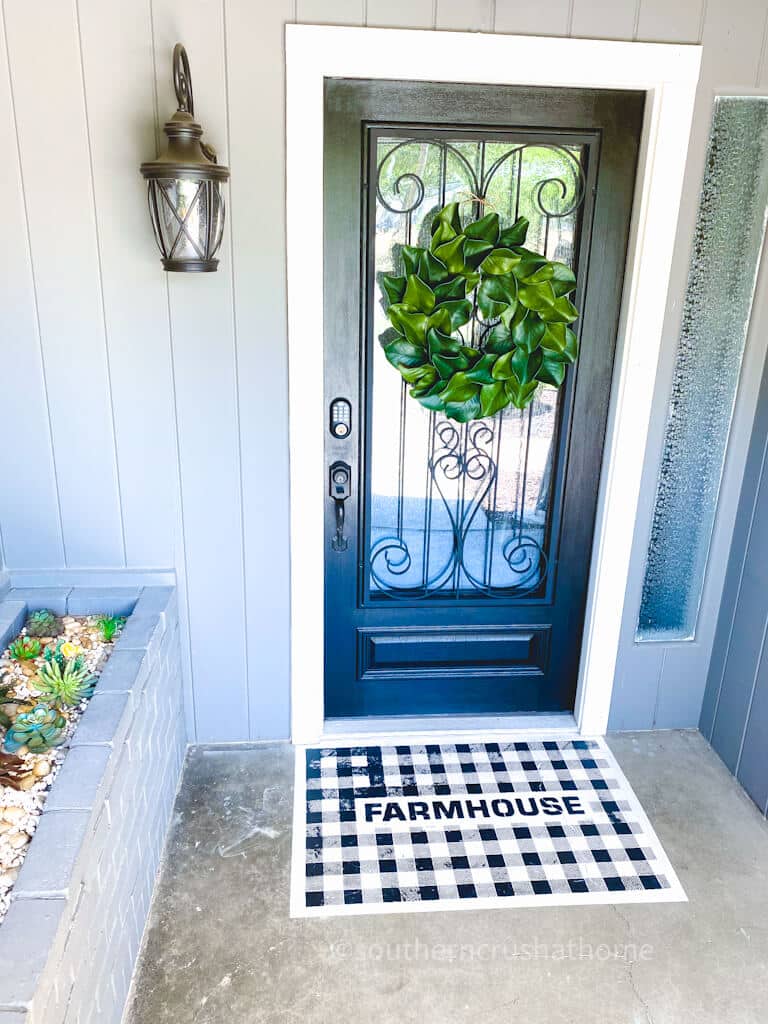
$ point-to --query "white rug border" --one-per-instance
(298, 909)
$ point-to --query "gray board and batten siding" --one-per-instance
(734, 717)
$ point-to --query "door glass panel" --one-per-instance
(464, 511)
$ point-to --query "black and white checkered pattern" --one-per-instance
(610, 852)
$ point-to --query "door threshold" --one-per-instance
(450, 726)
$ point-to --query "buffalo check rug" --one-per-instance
(449, 826)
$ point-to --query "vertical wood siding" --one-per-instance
(30, 517)
(735, 713)
(144, 416)
(56, 166)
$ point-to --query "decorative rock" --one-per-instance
(7, 878)
(12, 814)
(41, 769)
(19, 840)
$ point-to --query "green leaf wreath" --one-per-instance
(518, 298)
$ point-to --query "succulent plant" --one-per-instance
(25, 648)
(69, 683)
(43, 623)
(62, 652)
(109, 626)
(38, 729)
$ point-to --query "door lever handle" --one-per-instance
(340, 488)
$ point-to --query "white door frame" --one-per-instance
(669, 75)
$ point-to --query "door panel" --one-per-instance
(458, 555)
(461, 650)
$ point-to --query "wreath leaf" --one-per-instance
(529, 332)
(500, 340)
(552, 371)
(481, 372)
(419, 296)
(448, 217)
(459, 311)
(454, 288)
(402, 353)
(496, 294)
(412, 325)
(493, 398)
(515, 235)
(393, 288)
(411, 256)
(500, 261)
(452, 254)
(476, 250)
(431, 269)
(486, 229)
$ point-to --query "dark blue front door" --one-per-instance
(458, 555)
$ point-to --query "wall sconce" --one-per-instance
(184, 183)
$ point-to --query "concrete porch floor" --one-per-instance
(221, 948)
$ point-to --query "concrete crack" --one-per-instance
(646, 1009)
(622, 918)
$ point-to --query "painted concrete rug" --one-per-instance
(449, 826)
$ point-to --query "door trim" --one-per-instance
(669, 75)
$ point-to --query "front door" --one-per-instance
(458, 554)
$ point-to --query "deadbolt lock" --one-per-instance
(340, 420)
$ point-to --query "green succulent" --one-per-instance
(25, 648)
(518, 298)
(55, 652)
(43, 623)
(69, 683)
(109, 626)
(38, 729)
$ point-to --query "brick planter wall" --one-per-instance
(72, 933)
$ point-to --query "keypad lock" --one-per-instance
(339, 488)
(340, 423)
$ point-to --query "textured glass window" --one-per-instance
(721, 282)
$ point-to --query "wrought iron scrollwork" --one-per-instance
(570, 183)
(460, 455)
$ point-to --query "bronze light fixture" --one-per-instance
(184, 183)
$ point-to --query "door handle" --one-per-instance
(339, 488)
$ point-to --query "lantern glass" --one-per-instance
(188, 217)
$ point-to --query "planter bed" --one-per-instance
(98, 816)
(30, 774)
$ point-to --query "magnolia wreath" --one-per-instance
(480, 279)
